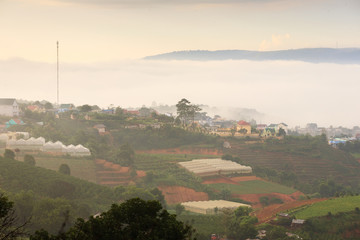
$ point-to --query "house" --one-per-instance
(261, 127)
(9, 107)
(100, 127)
(241, 126)
(66, 107)
(13, 122)
(268, 132)
(297, 222)
(36, 108)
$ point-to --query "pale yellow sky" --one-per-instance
(95, 30)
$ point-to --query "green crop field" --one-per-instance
(335, 205)
(81, 168)
(356, 155)
(253, 187)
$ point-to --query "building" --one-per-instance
(242, 126)
(211, 207)
(100, 127)
(9, 107)
(213, 167)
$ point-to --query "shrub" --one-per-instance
(29, 159)
(64, 169)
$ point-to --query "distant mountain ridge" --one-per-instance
(313, 55)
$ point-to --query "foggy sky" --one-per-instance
(285, 91)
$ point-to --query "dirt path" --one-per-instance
(268, 213)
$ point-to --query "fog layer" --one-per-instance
(285, 91)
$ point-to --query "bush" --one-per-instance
(9, 154)
(64, 169)
(29, 159)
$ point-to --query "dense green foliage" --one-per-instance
(10, 226)
(333, 226)
(304, 162)
(133, 219)
(350, 146)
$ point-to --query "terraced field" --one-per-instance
(332, 163)
(81, 168)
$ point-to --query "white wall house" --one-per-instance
(9, 107)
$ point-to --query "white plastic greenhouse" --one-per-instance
(211, 207)
(211, 167)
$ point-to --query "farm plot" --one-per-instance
(334, 205)
(81, 168)
(253, 187)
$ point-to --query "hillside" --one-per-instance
(300, 162)
(17, 176)
(313, 55)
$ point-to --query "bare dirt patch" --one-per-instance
(255, 198)
(178, 194)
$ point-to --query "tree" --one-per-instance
(243, 131)
(125, 155)
(179, 209)
(225, 194)
(8, 221)
(185, 111)
(182, 109)
(233, 131)
(48, 105)
(9, 154)
(85, 108)
(64, 169)
(29, 159)
(242, 225)
(281, 132)
(133, 219)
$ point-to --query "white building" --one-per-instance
(216, 166)
(9, 107)
(212, 206)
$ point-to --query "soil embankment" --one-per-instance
(179, 194)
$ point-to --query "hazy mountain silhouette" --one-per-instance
(314, 55)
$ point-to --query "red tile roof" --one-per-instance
(242, 122)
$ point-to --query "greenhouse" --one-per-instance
(211, 207)
(211, 167)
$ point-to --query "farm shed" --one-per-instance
(209, 207)
(211, 167)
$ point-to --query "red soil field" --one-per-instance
(178, 194)
(204, 151)
(268, 213)
(255, 198)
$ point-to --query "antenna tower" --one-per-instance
(57, 71)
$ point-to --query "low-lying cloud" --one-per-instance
(285, 91)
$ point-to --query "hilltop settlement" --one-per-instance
(211, 177)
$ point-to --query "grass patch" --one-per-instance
(253, 187)
(356, 155)
(335, 205)
(81, 168)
